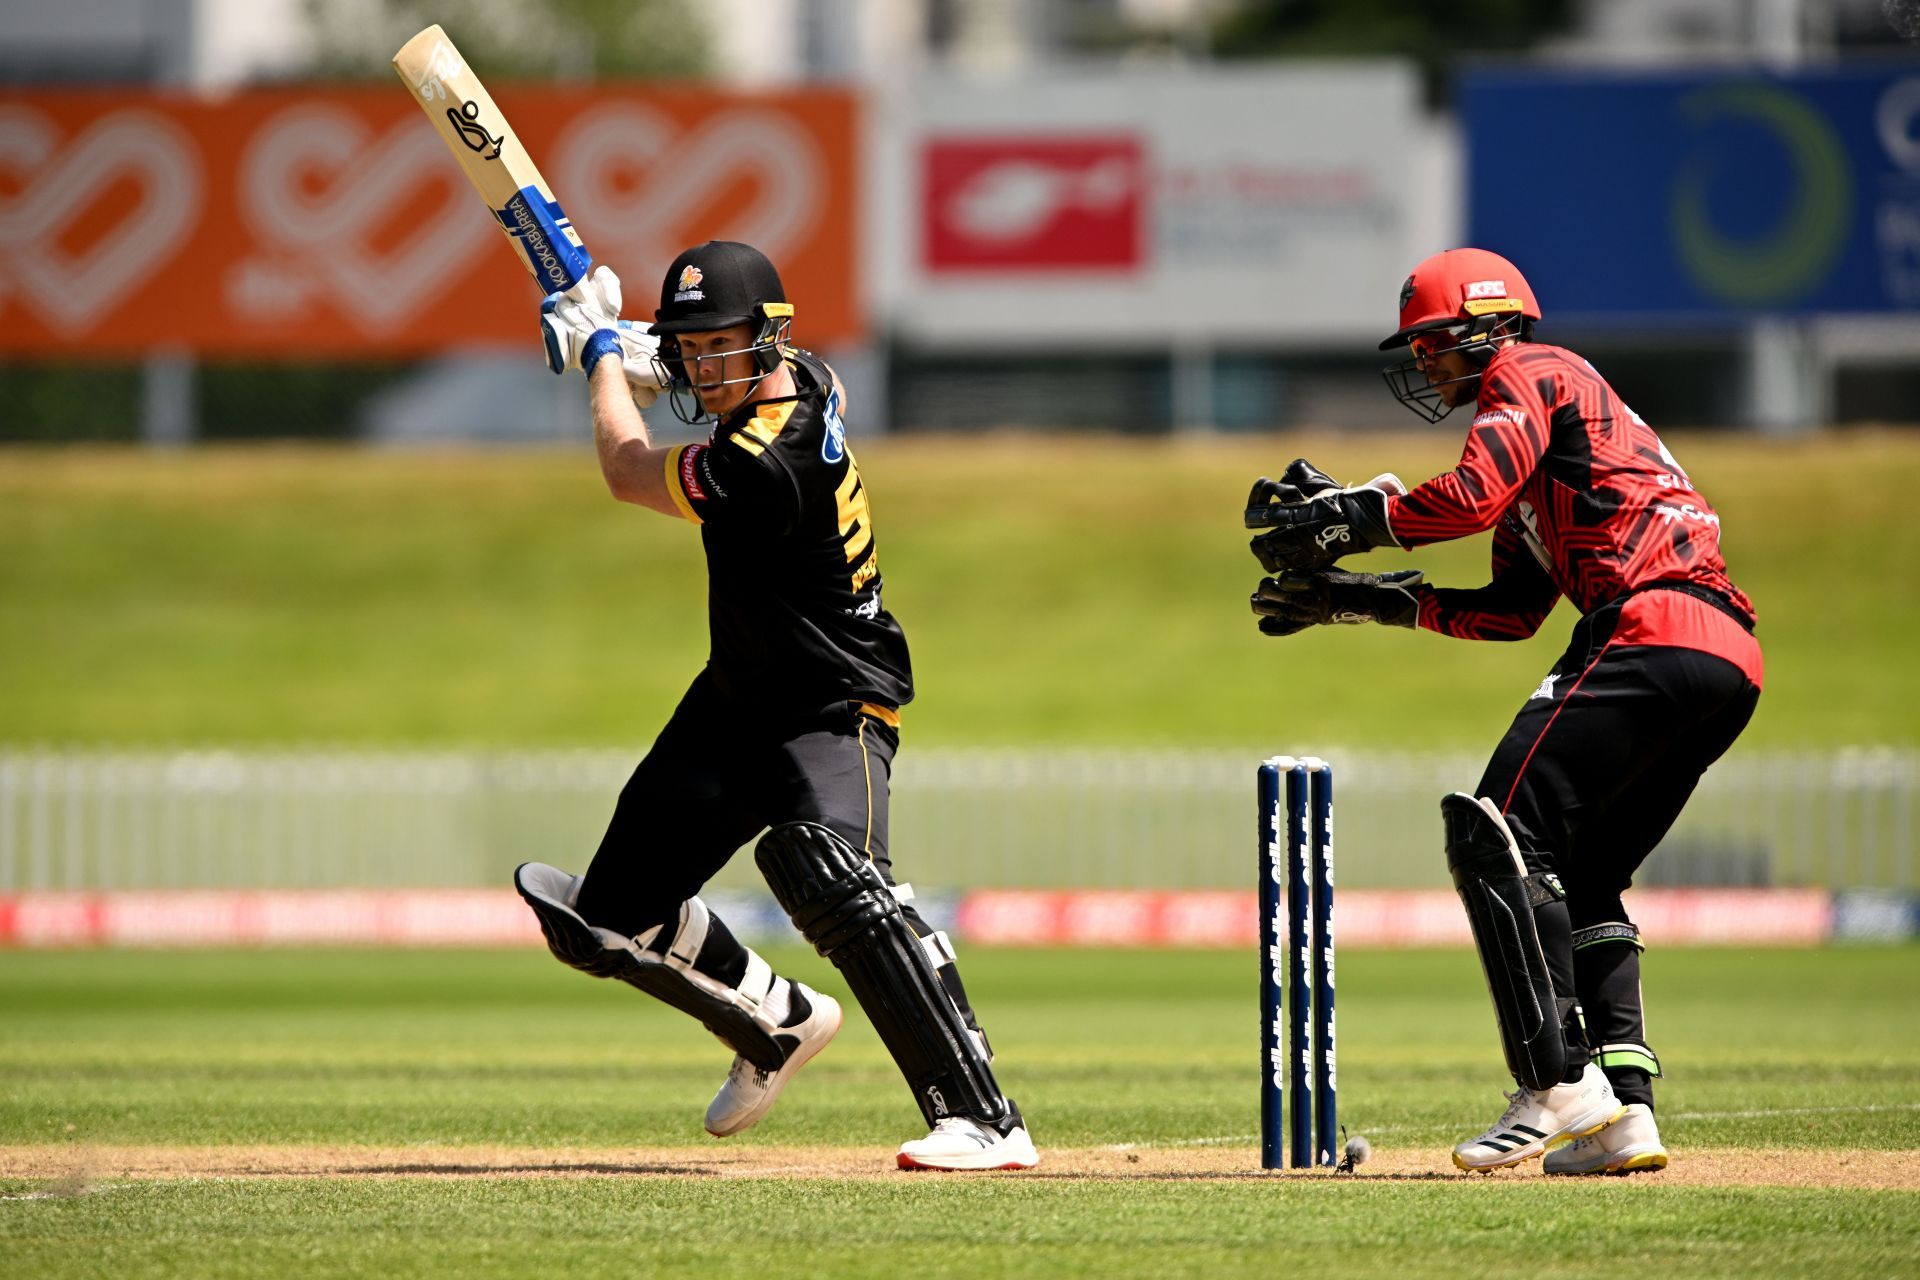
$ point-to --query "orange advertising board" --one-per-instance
(312, 223)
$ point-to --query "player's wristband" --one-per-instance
(603, 342)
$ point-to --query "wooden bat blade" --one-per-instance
(490, 154)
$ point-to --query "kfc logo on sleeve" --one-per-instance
(1047, 204)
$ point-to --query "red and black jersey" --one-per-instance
(793, 596)
(1585, 502)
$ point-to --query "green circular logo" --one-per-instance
(1797, 253)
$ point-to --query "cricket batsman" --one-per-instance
(1661, 675)
(790, 728)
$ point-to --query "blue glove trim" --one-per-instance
(604, 342)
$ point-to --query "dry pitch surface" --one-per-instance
(76, 1168)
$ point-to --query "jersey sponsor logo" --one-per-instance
(689, 475)
(1504, 416)
(1486, 289)
(1545, 690)
(833, 446)
(1684, 512)
(868, 608)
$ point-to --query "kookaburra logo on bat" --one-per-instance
(472, 132)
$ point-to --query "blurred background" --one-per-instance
(307, 578)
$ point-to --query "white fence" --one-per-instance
(961, 819)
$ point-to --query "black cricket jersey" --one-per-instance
(793, 573)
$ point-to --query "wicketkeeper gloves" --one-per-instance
(1313, 521)
(1292, 602)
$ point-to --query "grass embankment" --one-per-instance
(1054, 591)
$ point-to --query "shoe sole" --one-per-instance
(906, 1161)
(1585, 1127)
(1638, 1162)
(801, 1057)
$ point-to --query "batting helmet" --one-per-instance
(1462, 287)
(717, 285)
(1470, 301)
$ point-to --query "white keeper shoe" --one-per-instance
(1535, 1121)
(958, 1143)
(749, 1092)
(1630, 1144)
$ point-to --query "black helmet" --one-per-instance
(718, 284)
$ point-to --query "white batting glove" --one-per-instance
(573, 346)
(638, 347)
(595, 299)
(567, 319)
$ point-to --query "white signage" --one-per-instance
(1284, 204)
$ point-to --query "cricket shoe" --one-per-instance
(749, 1092)
(960, 1143)
(1537, 1119)
(1630, 1144)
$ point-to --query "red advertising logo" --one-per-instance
(1060, 204)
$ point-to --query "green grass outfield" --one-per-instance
(1081, 590)
(1807, 1058)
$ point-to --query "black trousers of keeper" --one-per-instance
(1592, 773)
(718, 775)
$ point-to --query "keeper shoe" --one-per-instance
(959, 1143)
(1535, 1120)
(1630, 1144)
(749, 1092)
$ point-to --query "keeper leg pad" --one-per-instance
(1501, 898)
(844, 907)
(665, 965)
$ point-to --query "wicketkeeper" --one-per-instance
(1661, 676)
(791, 727)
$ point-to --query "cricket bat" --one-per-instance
(495, 162)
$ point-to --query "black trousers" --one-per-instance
(717, 775)
(1591, 775)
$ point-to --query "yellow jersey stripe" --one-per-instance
(770, 420)
(885, 715)
(753, 447)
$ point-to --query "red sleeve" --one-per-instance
(724, 483)
(1510, 433)
(1511, 607)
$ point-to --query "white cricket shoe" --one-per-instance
(1630, 1144)
(1535, 1121)
(958, 1143)
(749, 1092)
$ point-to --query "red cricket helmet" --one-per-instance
(1458, 287)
